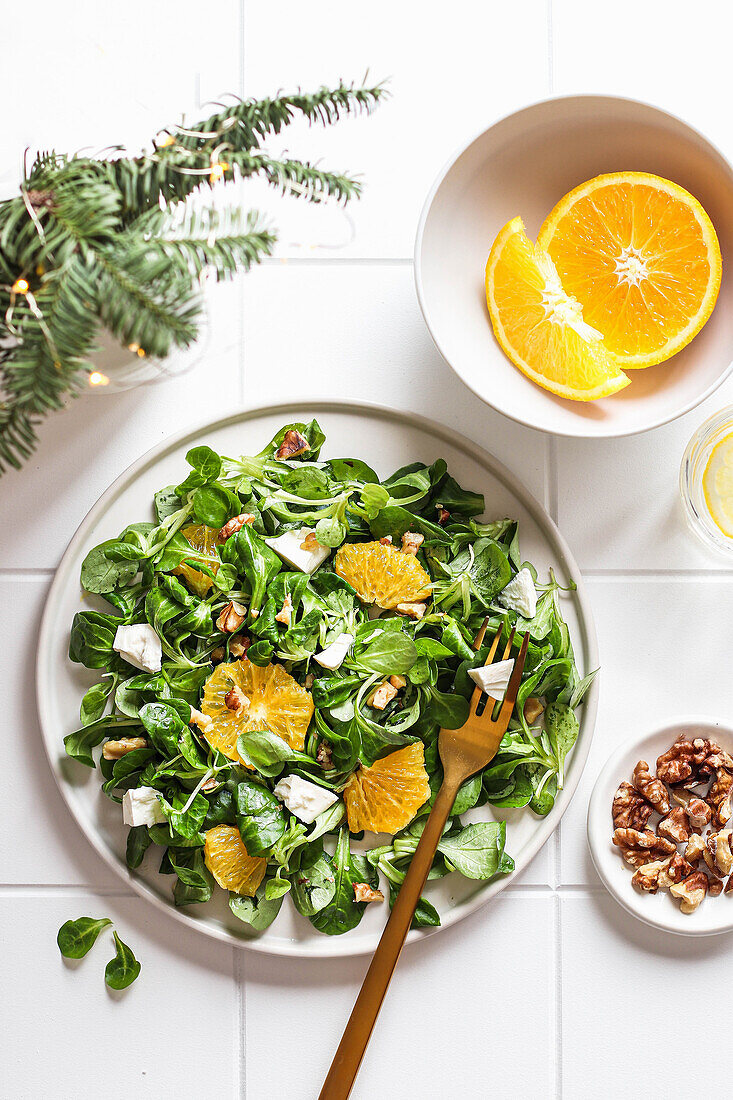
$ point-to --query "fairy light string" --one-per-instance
(92, 258)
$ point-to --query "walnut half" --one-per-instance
(364, 892)
(293, 444)
(691, 891)
(231, 617)
(647, 876)
(236, 523)
(630, 810)
(675, 826)
(653, 790)
(720, 796)
(639, 847)
(718, 845)
(115, 750)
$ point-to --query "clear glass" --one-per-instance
(118, 368)
(694, 464)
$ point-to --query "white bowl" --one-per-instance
(524, 164)
(660, 910)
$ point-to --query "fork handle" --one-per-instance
(346, 1062)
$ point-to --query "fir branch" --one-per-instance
(255, 118)
(40, 370)
(112, 241)
(36, 373)
(157, 315)
(18, 436)
(191, 240)
(74, 206)
(297, 177)
(238, 129)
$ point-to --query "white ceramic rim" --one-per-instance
(626, 898)
(334, 945)
(417, 256)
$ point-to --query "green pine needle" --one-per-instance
(115, 242)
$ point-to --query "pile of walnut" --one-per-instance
(692, 792)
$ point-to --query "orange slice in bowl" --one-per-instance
(641, 257)
(542, 328)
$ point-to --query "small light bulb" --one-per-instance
(96, 378)
(217, 171)
(168, 140)
(133, 347)
(141, 352)
(20, 286)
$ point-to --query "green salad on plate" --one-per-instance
(279, 648)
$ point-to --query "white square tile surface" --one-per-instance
(619, 503)
(450, 74)
(69, 1036)
(661, 51)
(658, 637)
(609, 962)
(531, 995)
(355, 331)
(426, 1041)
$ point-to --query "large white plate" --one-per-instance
(386, 440)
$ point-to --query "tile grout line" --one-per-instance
(550, 49)
(712, 574)
(238, 962)
(240, 977)
(26, 574)
(336, 261)
(242, 384)
(557, 928)
(70, 889)
(553, 478)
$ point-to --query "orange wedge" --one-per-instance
(542, 328)
(642, 257)
(266, 697)
(226, 857)
(385, 797)
(382, 574)
(203, 540)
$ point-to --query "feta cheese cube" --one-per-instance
(493, 679)
(139, 645)
(289, 547)
(305, 800)
(333, 655)
(520, 595)
(142, 807)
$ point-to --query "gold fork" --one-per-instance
(463, 752)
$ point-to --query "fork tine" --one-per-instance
(479, 639)
(512, 690)
(477, 692)
(508, 647)
(493, 647)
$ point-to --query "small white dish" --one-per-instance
(660, 910)
(523, 164)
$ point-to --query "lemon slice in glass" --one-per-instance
(717, 485)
